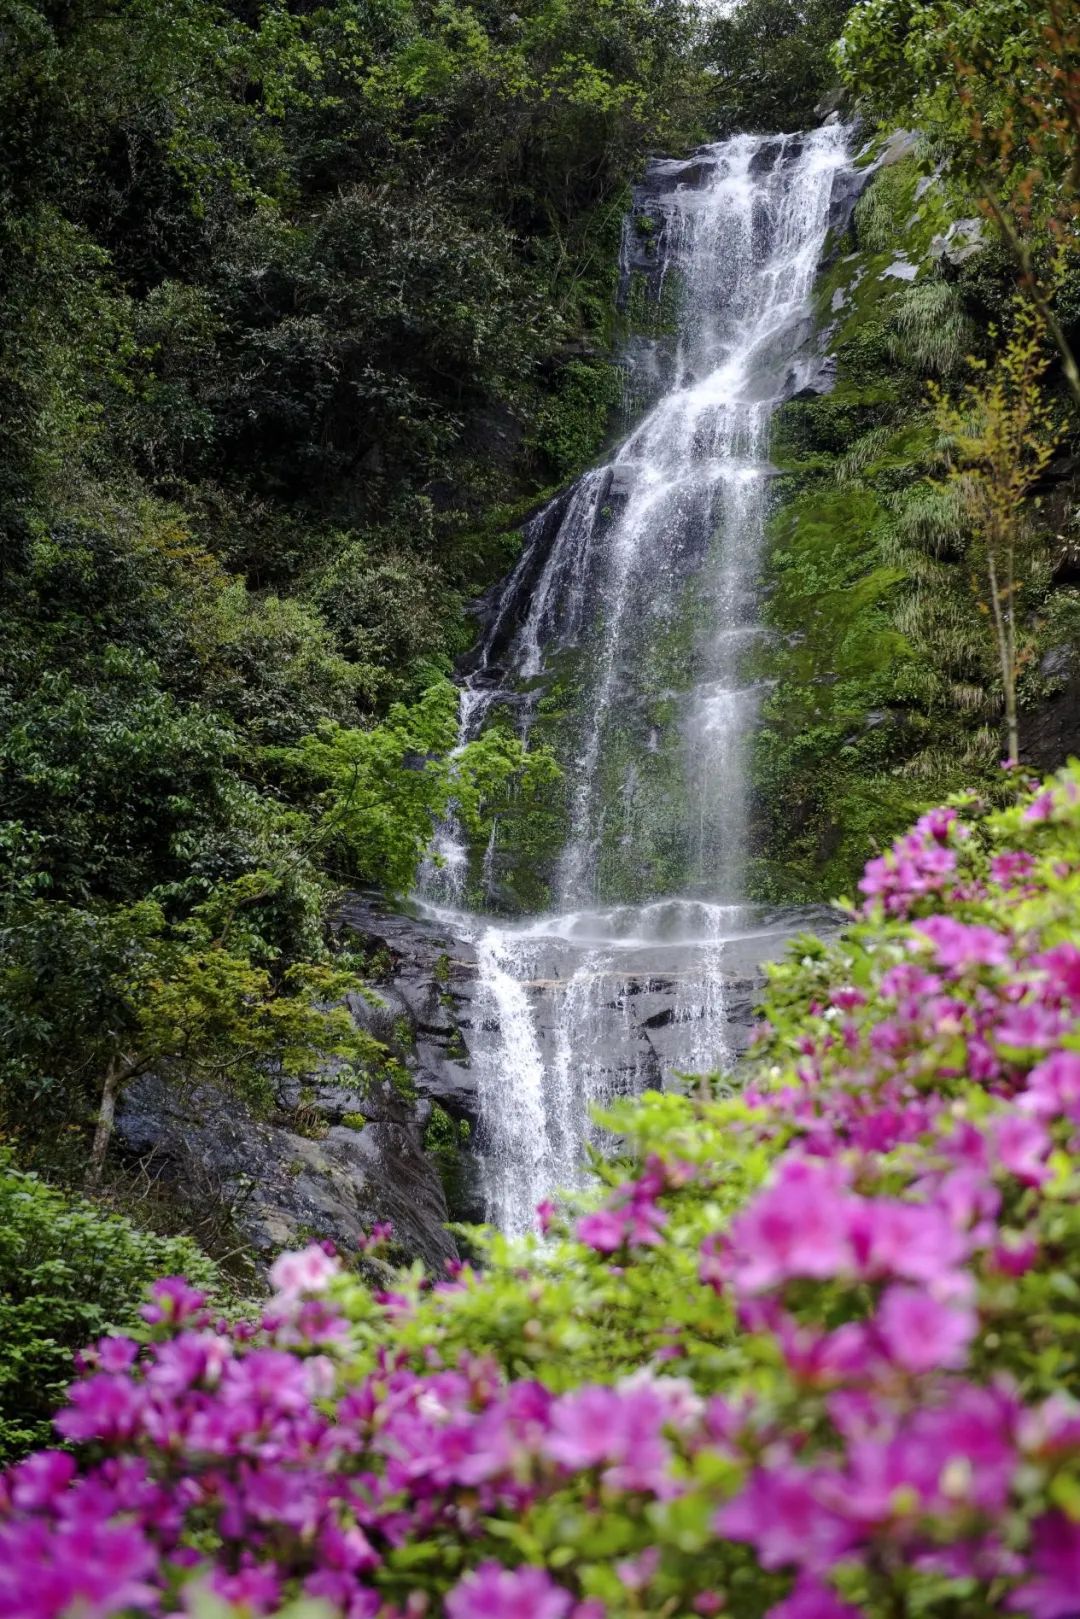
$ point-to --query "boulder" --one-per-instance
(901, 269)
(299, 1175)
(963, 239)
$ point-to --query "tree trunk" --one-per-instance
(105, 1120)
(1012, 707)
(1008, 663)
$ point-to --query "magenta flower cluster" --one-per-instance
(900, 1268)
(247, 1438)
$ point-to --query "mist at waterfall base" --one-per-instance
(605, 994)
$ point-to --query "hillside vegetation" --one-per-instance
(922, 568)
(302, 307)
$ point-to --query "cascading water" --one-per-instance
(645, 597)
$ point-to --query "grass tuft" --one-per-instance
(930, 329)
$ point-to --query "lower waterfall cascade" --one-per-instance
(625, 982)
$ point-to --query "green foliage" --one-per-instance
(909, 59)
(884, 687)
(217, 978)
(996, 91)
(575, 423)
(931, 328)
(291, 316)
(563, 1314)
(445, 1139)
(68, 1274)
(772, 61)
(384, 790)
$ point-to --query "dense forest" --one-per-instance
(305, 310)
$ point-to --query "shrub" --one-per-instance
(808, 1355)
(572, 428)
(68, 1273)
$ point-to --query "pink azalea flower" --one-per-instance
(676, 1398)
(1011, 867)
(1051, 1428)
(112, 1354)
(1040, 809)
(587, 1428)
(1022, 1145)
(1031, 1028)
(637, 1572)
(1052, 1590)
(173, 1300)
(912, 869)
(95, 1569)
(1062, 968)
(825, 1359)
(780, 1514)
(937, 823)
(343, 1595)
(912, 1241)
(107, 1407)
(311, 1271)
(41, 1480)
(812, 1600)
(967, 1198)
(603, 1230)
(976, 1428)
(1053, 1088)
(1015, 1253)
(908, 979)
(798, 1226)
(922, 1335)
(960, 946)
(494, 1592)
(257, 1590)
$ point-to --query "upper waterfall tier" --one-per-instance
(625, 641)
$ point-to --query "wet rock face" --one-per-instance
(1051, 732)
(639, 1015)
(645, 1025)
(430, 984)
(312, 1176)
(333, 1159)
(499, 613)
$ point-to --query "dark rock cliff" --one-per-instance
(332, 1160)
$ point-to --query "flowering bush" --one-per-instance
(808, 1357)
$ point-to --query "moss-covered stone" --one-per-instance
(882, 684)
(445, 1142)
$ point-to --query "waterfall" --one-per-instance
(643, 583)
